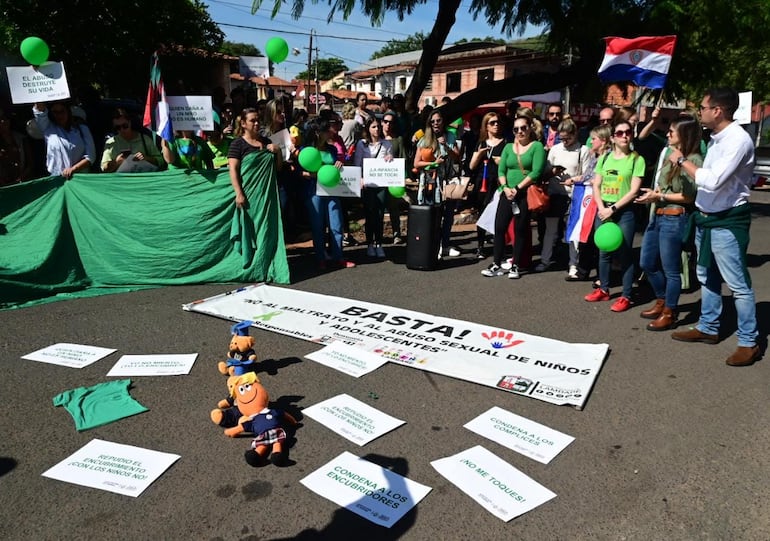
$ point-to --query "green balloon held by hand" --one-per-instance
(310, 159)
(397, 191)
(328, 176)
(34, 50)
(277, 49)
(608, 237)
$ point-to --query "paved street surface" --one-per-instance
(672, 443)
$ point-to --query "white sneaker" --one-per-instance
(493, 270)
(370, 251)
(379, 252)
(513, 274)
(507, 264)
(454, 252)
(573, 272)
(440, 253)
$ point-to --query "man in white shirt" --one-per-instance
(722, 225)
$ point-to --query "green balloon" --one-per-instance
(608, 237)
(310, 159)
(34, 50)
(277, 49)
(397, 191)
(328, 176)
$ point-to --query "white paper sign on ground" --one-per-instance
(47, 82)
(71, 355)
(527, 437)
(191, 113)
(352, 419)
(114, 467)
(282, 139)
(176, 364)
(378, 172)
(349, 186)
(494, 484)
(352, 360)
(375, 493)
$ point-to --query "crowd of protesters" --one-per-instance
(633, 174)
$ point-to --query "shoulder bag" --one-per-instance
(537, 198)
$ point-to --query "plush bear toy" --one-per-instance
(241, 358)
(226, 414)
(265, 423)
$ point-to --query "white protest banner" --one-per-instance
(543, 368)
(71, 355)
(379, 172)
(47, 82)
(352, 419)
(176, 364)
(349, 186)
(520, 434)
(351, 360)
(745, 103)
(368, 490)
(282, 139)
(494, 484)
(253, 66)
(114, 467)
(191, 113)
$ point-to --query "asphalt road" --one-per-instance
(672, 444)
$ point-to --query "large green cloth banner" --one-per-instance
(97, 233)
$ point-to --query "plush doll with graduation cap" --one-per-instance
(241, 358)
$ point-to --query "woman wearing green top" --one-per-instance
(617, 179)
(521, 164)
(661, 257)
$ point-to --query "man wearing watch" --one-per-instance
(722, 225)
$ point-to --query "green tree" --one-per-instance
(109, 45)
(719, 42)
(237, 48)
(328, 68)
(396, 46)
(489, 39)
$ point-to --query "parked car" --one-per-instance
(761, 165)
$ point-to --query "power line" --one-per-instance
(347, 38)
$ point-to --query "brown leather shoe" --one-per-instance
(744, 356)
(654, 311)
(694, 335)
(664, 322)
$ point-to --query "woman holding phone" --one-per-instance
(483, 166)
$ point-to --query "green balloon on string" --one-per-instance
(328, 176)
(608, 237)
(277, 49)
(310, 159)
(397, 191)
(34, 50)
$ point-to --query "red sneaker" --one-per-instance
(344, 264)
(621, 305)
(597, 295)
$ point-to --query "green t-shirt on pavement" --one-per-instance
(99, 404)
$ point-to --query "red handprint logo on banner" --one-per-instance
(501, 339)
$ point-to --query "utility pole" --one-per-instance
(309, 63)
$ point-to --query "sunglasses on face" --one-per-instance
(522, 129)
(556, 113)
(386, 121)
(493, 122)
(436, 121)
(623, 133)
(121, 126)
(605, 120)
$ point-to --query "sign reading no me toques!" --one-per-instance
(543, 368)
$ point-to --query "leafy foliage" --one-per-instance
(107, 44)
(328, 68)
(396, 46)
(236, 48)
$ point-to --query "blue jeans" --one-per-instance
(661, 257)
(625, 220)
(726, 264)
(321, 209)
